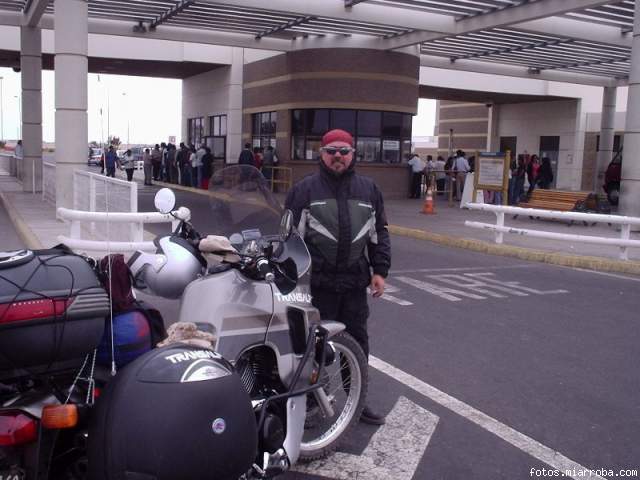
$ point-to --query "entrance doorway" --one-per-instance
(509, 143)
(550, 147)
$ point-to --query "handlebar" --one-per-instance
(264, 267)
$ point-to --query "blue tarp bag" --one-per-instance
(132, 338)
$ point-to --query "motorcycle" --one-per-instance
(280, 385)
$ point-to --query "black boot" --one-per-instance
(368, 416)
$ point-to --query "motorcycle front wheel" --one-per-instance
(346, 388)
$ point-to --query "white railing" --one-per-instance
(93, 192)
(7, 164)
(623, 242)
(134, 222)
(49, 182)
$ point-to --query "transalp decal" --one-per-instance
(192, 355)
(294, 297)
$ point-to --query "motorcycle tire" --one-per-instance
(347, 392)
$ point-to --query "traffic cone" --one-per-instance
(428, 208)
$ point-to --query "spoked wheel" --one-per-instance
(346, 389)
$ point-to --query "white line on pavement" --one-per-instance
(506, 433)
(461, 269)
(606, 274)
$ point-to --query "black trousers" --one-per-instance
(416, 184)
(349, 307)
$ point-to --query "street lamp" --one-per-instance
(1, 112)
(19, 126)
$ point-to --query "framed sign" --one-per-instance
(492, 173)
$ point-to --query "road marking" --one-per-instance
(527, 444)
(462, 269)
(440, 291)
(388, 288)
(469, 284)
(393, 453)
(514, 285)
(606, 274)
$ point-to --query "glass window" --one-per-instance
(317, 122)
(195, 130)
(392, 124)
(223, 124)
(369, 123)
(407, 121)
(216, 126)
(368, 149)
(312, 148)
(297, 122)
(344, 119)
(298, 148)
(390, 151)
(218, 146)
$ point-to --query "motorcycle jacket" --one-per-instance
(342, 219)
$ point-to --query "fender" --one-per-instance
(333, 327)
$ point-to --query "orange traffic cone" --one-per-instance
(428, 208)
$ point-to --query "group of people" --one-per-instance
(264, 159)
(110, 161)
(537, 172)
(188, 166)
(452, 172)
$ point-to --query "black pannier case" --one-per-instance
(52, 311)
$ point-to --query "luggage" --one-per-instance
(131, 338)
(52, 310)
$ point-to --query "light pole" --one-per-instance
(124, 96)
(1, 112)
(19, 126)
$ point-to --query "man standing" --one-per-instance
(110, 162)
(461, 167)
(156, 162)
(417, 170)
(341, 217)
(246, 156)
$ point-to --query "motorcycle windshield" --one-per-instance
(242, 203)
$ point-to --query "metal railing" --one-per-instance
(134, 222)
(49, 182)
(624, 242)
(8, 163)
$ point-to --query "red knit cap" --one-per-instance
(337, 135)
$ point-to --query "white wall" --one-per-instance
(530, 121)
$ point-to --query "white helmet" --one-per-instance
(168, 272)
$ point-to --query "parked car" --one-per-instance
(95, 156)
(612, 179)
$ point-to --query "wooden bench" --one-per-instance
(561, 200)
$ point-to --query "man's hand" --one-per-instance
(377, 285)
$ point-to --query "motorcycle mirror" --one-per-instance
(286, 276)
(165, 200)
(286, 225)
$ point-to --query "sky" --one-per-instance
(150, 108)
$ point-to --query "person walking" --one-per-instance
(330, 207)
(147, 165)
(111, 161)
(461, 167)
(246, 156)
(200, 153)
(128, 164)
(257, 157)
(417, 170)
(193, 162)
(173, 165)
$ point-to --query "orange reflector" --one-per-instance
(59, 416)
(314, 377)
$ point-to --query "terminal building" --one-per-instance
(542, 76)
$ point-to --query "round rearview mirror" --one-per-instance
(165, 200)
(286, 225)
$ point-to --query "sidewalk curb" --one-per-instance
(24, 232)
(565, 260)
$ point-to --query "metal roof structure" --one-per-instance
(583, 41)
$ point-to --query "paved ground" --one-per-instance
(9, 239)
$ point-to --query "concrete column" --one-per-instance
(607, 131)
(31, 68)
(234, 118)
(71, 69)
(630, 184)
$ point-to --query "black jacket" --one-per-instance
(343, 222)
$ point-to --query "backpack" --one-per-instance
(120, 285)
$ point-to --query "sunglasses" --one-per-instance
(342, 150)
